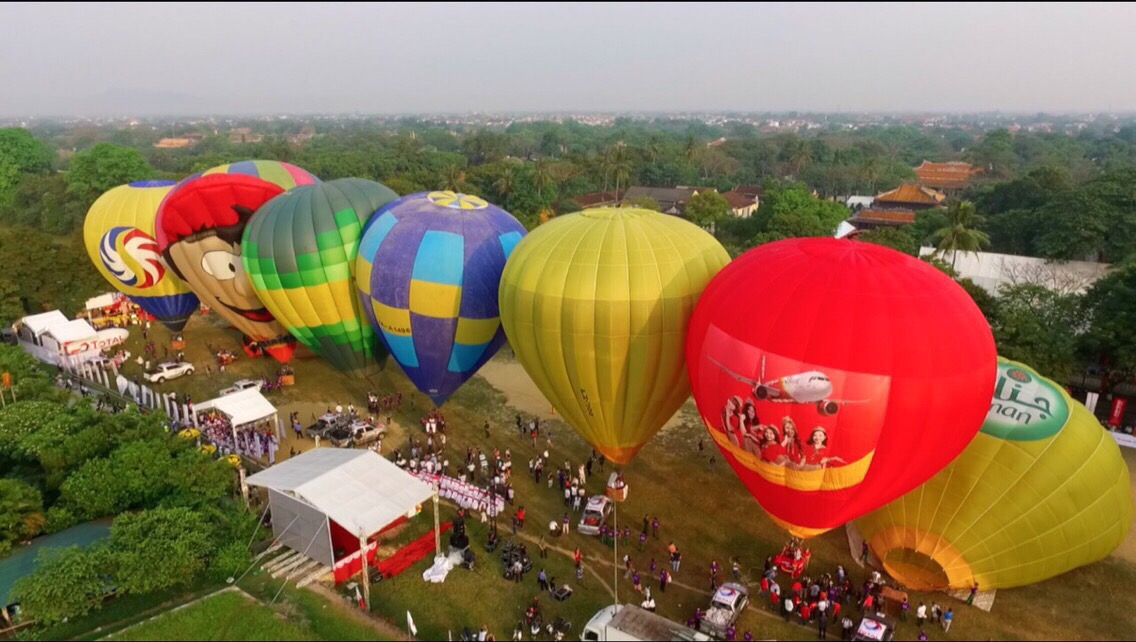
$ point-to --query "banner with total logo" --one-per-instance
(101, 341)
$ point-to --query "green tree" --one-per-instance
(506, 183)
(66, 583)
(790, 211)
(106, 165)
(20, 153)
(21, 512)
(1037, 326)
(961, 233)
(1110, 313)
(159, 549)
(11, 308)
(897, 238)
(542, 176)
(707, 209)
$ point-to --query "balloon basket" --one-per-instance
(177, 344)
(288, 380)
(616, 488)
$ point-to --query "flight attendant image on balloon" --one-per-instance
(790, 441)
(771, 449)
(733, 422)
(815, 451)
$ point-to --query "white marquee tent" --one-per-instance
(359, 490)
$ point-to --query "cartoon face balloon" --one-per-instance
(428, 270)
(1041, 490)
(118, 234)
(596, 305)
(299, 250)
(835, 375)
(200, 228)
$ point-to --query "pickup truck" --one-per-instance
(168, 370)
(325, 424)
(726, 606)
(242, 384)
(357, 433)
(595, 512)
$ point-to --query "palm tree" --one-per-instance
(620, 167)
(452, 178)
(870, 168)
(542, 176)
(506, 183)
(961, 232)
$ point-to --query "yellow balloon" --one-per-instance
(595, 305)
(1041, 490)
(118, 233)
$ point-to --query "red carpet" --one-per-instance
(410, 553)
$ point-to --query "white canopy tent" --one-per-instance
(358, 490)
(242, 408)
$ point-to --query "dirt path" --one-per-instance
(511, 380)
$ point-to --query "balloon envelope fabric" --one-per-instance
(1042, 489)
(118, 233)
(836, 375)
(596, 305)
(428, 270)
(299, 250)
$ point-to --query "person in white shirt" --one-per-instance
(921, 615)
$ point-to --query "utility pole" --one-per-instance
(437, 530)
(366, 572)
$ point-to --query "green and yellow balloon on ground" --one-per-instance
(299, 251)
(1041, 490)
(596, 305)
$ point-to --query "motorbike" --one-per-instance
(558, 628)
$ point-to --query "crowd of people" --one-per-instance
(251, 442)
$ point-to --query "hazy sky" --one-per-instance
(58, 59)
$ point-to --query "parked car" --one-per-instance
(874, 627)
(169, 370)
(595, 513)
(358, 432)
(242, 384)
(325, 424)
(726, 606)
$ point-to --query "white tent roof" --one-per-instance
(242, 407)
(101, 301)
(74, 330)
(359, 489)
(40, 323)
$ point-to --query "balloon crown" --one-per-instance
(457, 200)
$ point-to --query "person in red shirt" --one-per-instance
(790, 441)
(815, 452)
(521, 517)
(805, 610)
(732, 421)
(771, 449)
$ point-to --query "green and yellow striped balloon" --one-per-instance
(299, 251)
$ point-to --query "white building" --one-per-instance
(991, 271)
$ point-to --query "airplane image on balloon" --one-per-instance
(809, 387)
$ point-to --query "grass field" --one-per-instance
(702, 507)
(229, 615)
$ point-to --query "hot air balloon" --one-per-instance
(1042, 489)
(596, 305)
(299, 251)
(199, 228)
(428, 269)
(119, 235)
(836, 375)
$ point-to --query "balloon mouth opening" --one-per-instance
(916, 570)
(152, 183)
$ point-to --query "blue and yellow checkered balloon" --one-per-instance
(428, 271)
